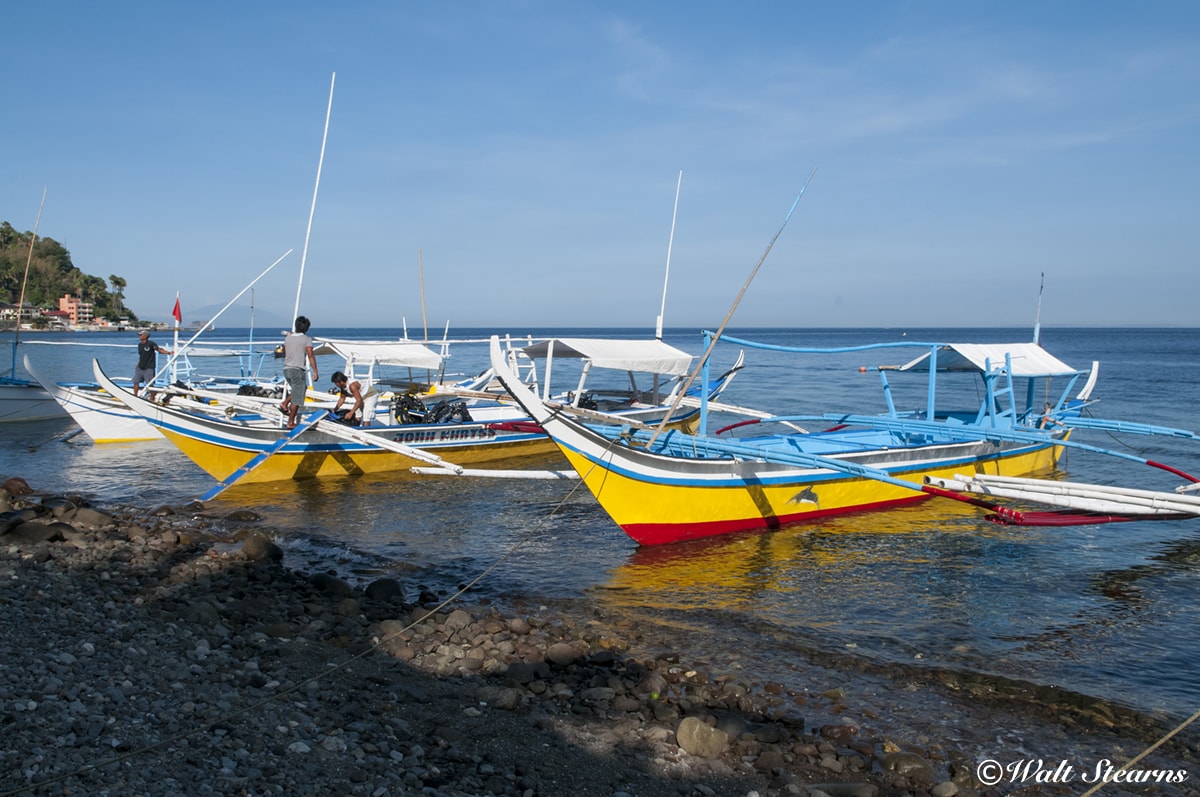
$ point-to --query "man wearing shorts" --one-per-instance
(297, 348)
(146, 364)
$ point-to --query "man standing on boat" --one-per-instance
(147, 362)
(297, 347)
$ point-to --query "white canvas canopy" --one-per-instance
(403, 354)
(1028, 359)
(646, 356)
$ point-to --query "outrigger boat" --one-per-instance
(665, 486)
(99, 414)
(244, 441)
(106, 419)
(25, 400)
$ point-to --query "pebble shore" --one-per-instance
(165, 652)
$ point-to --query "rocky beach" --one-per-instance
(169, 651)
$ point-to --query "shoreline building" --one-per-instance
(79, 311)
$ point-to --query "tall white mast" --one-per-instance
(421, 279)
(658, 326)
(1037, 322)
(313, 208)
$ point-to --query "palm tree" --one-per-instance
(118, 284)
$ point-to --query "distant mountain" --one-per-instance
(237, 317)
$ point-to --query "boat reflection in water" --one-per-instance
(930, 584)
(726, 572)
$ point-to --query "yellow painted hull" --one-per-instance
(220, 461)
(654, 512)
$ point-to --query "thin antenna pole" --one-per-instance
(175, 345)
(1037, 322)
(658, 327)
(25, 279)
(250, 355)
(313, 208)
(421, 279)
(713, 343)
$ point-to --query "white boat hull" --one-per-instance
(27, 401)
(101, 416)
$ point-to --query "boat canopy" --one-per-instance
(1028, 359)
(404, 354)
(646, 356)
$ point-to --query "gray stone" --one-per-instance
(908, 764)
(653, 683)
(507, 699)
(598, 694)
(89, 518)
(31, 532)
(841, 733)
(385, 590)
(769, 760)
(59, 507)
(697, 738)
(330, 584)
(10, 520)
(562, 653)
(832, 763)
(457, 620)
(733, 724)
(522, 672)
(260, 548)
(17, 486)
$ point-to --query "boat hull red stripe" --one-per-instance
(666, 533)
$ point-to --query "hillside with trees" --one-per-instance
(52, 274)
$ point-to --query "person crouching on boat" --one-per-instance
(297, 347)
(347, 389)
(146, 364)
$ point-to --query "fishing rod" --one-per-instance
(713, 343)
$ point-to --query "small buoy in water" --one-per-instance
(862, 369)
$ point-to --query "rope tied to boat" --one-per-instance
(1125, 767)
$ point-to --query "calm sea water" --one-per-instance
(1109, 611)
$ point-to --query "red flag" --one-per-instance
(178, 315)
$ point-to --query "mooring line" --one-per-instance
(1142, 754)
(59, 437)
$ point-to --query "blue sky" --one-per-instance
(527, 153)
